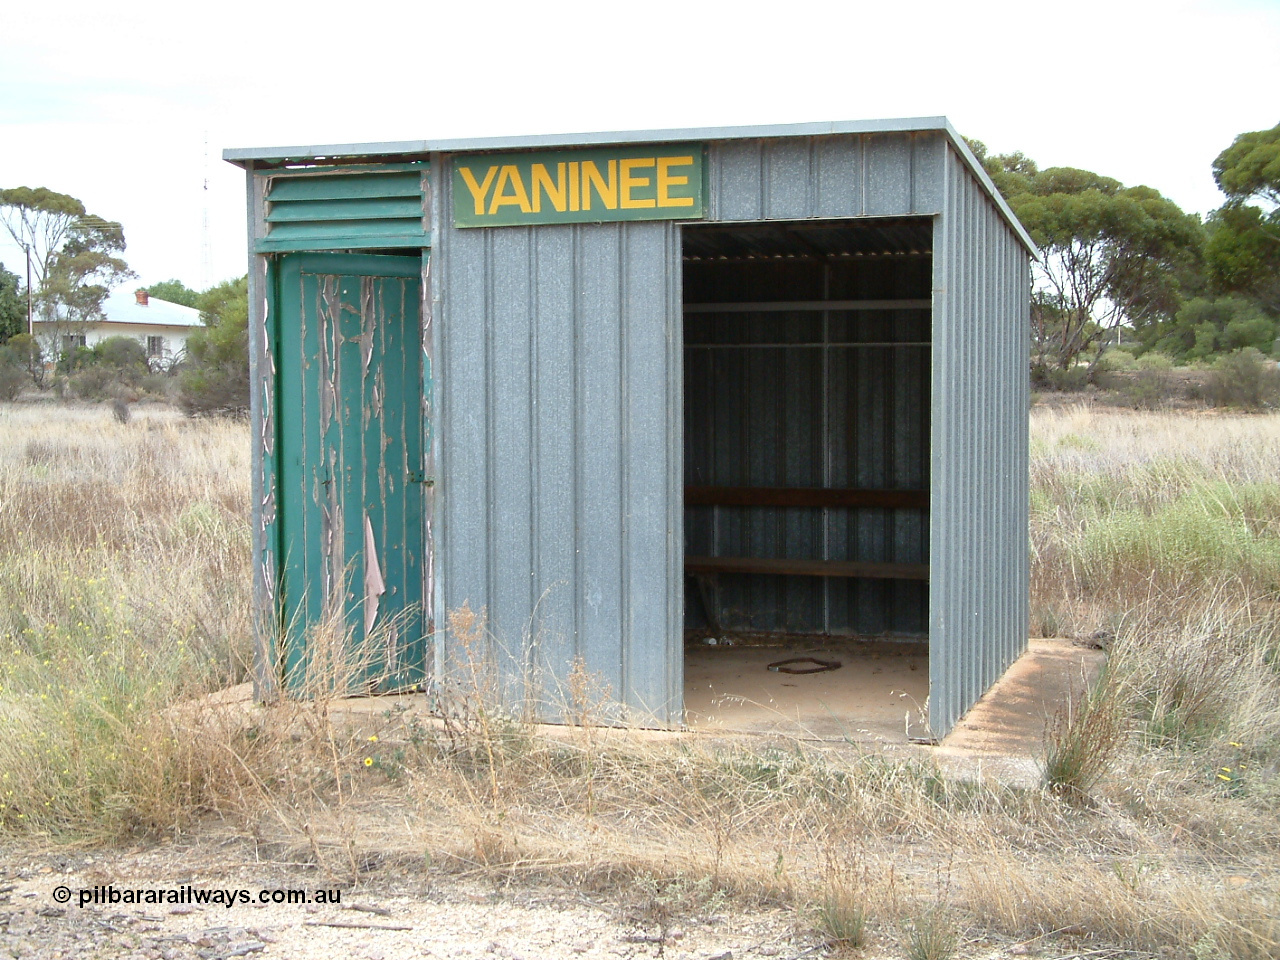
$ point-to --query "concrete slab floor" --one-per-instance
(878, 698)
(875, 700)
(878, 694)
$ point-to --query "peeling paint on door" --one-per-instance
(351, 440)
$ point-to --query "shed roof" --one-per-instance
(403, 149)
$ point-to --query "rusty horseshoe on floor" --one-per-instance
(819, 666)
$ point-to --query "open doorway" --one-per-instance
(807, 362)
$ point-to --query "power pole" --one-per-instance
(30, 328)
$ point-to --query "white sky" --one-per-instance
(115, 106)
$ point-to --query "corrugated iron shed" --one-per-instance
(848, 317)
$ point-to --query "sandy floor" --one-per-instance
(877, 694)
(878, 697)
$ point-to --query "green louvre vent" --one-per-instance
(351, 211)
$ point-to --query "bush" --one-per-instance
(1243, 379)
(159, 385)
(841, 915)
(1082, 742)
(91, 383)
(1115, 361)
(12, 376)
(1055, 378)
(1154, 361)
(124, 353)
(1204, 328)
(25, 350)
(1146, 389)
(109, 367)
(932, 936)
(214, 389)
(215, 377)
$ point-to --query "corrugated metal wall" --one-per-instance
(557, 489)
(831, 416)
(978, 541)
(560, 406)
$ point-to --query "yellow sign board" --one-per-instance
(644, 182)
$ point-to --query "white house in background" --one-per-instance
(160, 326)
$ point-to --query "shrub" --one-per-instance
(1154, 361)
(841, 917)
(159, 385)
(112, 366)
(1055, 378)
(1243, 379)
(1114, 361)
(123, 353)
(91, 383)
(215, 377)
(25, 350)
(12, 377)
(1204, 328)
(1146, 389)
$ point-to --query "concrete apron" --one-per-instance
(875, 701)
(878, 699)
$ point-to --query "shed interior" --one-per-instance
(807, 368)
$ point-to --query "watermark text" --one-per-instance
(190, 895)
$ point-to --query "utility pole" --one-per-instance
(30, 328)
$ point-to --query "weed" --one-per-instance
(932, 936)
(1082, 742)
(658, 903)
(841, 914)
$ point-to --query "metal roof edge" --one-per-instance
(242, 156)
(976, 168)
(747, 132)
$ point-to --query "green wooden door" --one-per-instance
(349, 462)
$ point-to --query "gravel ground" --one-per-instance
(402, 911)
(397, 915)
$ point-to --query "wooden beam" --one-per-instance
(804, 497)
(808, 568)
(798, 306)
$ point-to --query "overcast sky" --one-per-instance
(128, 106)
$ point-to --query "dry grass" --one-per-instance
(137, 600)
(124, 553)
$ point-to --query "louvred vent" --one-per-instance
(351, 211)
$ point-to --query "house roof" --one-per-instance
(122, 307)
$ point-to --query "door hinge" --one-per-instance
(417, 476)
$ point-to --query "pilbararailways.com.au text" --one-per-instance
(190, 895)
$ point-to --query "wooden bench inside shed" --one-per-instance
(816, 497)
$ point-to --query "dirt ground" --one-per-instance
(404, 909)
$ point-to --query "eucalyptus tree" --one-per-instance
(1110, 254)
(1243, 250)
(75, 255)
